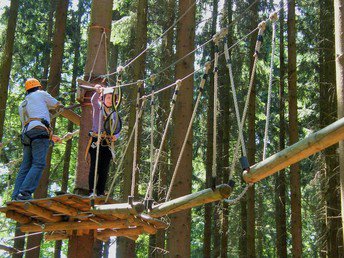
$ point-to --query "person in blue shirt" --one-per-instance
(36, 136)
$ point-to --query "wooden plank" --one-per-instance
(121, 210)
(18, 217)
(41, 212)
(191, 200)
(70, 115)
(157, 223)
(313, 143)
(74, 225)
(58, 207)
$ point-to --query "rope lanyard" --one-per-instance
(273, 18)
(97, 153)
(133, 180)
(152, 128)
(143, 103)
(149, 193)
(245, 164)
(96, 57)
(235, 99)
(200, 91)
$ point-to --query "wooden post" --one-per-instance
(313, 143)
(339, 41)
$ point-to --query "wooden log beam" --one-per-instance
(18, 217)
(104, 234)
(78, 225)
(313, 143)
(152, 221)
(41, 212)
(191, 200)
(61, 208)
(120, 210)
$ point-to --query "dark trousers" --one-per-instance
(103, 166)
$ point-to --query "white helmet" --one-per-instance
(107, 91)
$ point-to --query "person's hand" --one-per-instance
(113, 138)
(98, 88)
(56, 139)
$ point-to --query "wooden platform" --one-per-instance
(68, 214)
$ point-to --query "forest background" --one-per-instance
(260, 223)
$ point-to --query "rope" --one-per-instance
(126, 148)
(261, 30)
(133, 181)
(152, 129)
(157, 39)
(149, 192)
(97, 153)
(200, 91)
(238, 198)
(273, 18)
(235, 99)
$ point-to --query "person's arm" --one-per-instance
(51, 101)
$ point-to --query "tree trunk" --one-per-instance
(101, 15)
(225, 106)
(68, 148)
(180, 231)
(251, 144)
(339, 42)
(53, 88)
(47, 48)
(19, 243)
(280, 185)
(328, 114)
(125, 246)
(6, 61)
(295, 187)
(162, 114)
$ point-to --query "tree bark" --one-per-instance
(125, 246)
(6, 61)
(180, 222)
(101, 16)
(53, 89)
(328, 114)
(295, 187)
(280, 185)
(339, 43)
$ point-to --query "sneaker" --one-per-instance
(23, 197)
(92, 195)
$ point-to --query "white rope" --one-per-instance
(238, 198)
(152, 130)
(273, 18)
(235, 99)
(149, 192)
(133, 179)
(207, 67)
(261, 27)
(126, 149)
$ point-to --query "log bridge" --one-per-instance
(63, 216)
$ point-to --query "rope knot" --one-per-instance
(262, 25)
(120, 69)
(220, 35)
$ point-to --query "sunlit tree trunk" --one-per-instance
(6, 61)
(295, 187)
(179, 232)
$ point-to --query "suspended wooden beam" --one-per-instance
(73, 226)
(120, 210)
(127, 232)
(192, 200)
(22, 219)
(313, 143)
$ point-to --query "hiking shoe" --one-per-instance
(23, 197)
